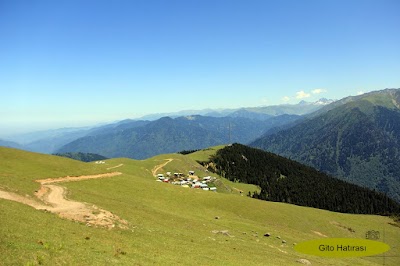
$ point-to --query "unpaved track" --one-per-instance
(54, 200)
(56, 197)
(115, 166)
(158, 167)
(75, 178)
(25, 200)
(79, 211)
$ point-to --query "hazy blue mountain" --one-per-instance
(47, 141)
(260, 113)
(281, 121)
(203, 112)
(10, 144)
(31, 137)
(51, 144)
(301, 108)
(251, 115)
(117, 127)
(50, 141)
(356, 139)
(165, 135)
(168, 135)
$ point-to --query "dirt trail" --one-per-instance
(79, 211)
(54, 200)
(158, 167)
(115, 166)
(56, 197)
(25, 200)
(75, 178)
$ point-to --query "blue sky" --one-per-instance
(72, 63)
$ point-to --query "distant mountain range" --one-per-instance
(356, 139)
(50, 141)
(47, 141)
(261, 113)
(143, 139)
(10, 144)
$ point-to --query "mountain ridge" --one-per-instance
(301, 108)
(50, 141)
(167, 135)
(356, 139)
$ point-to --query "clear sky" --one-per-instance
(72, 63)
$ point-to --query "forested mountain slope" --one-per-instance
(358, 141)
(288, 181)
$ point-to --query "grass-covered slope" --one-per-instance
(19, 169)
(169, 225)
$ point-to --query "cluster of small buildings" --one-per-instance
(190, 181)
(100, 162)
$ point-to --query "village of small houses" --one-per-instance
(189, 181)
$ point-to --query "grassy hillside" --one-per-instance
(168, 224)
(19, 169)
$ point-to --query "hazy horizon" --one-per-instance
(32, 128)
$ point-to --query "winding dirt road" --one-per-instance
(54, 200)
(76, 178)
(158, 167)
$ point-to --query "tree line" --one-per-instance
(284, 180)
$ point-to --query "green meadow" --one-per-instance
(168, 224)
